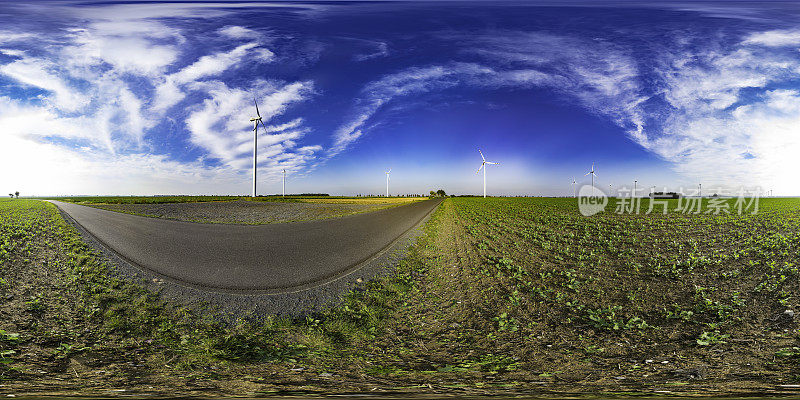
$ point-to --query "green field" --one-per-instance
(501, 295)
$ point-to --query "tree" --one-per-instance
(11, 195)
(441, 193)
(17, 193)
(433, 194)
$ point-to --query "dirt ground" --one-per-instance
(244, 212)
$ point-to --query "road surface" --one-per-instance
(266, 258)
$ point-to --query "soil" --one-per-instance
(242, 212)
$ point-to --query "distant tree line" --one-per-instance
(13, 194)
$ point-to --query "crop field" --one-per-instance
(241, 210)
(500, 295)
(141, 199)
(364, 200)
(531, 288)
(88, 200)
(248, 212)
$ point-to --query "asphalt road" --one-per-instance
(275, 257)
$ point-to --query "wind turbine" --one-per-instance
(483, 166)
(574, 192)
(387, 181)
(609, 189)
(284, 183)
(255, 121)
(593, 175)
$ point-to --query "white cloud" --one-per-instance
(381, 50)
(7, 37)
(126, 54)
(42, 169)
(238, 32)
(13, 52)
(169, 93)
(776, 38)
(410, 81)
(99, 87)
(41, 74)
(218, 125)
(602, 77)
(211, 65)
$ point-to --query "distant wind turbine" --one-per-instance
(593, 175)
(483, 166)
(387, 181)
(574, 192)
(255, 120)
(284, 183)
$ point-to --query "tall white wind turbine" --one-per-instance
(593, 175)
(284, 183)
(574, 192)
(387, 181)
(483, 166)
(256, 120)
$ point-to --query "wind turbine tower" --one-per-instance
(256, 120)
(483, 166)
(284, 183)
(593, 175)
(574, 191)
(387, 181)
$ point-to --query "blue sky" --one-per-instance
(155, 98)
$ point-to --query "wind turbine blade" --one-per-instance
(587, 173)
(484, 159)
(256, 103)
(262, 124)
(493, 163)
(479, 169)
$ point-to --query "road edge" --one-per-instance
(239, 303)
